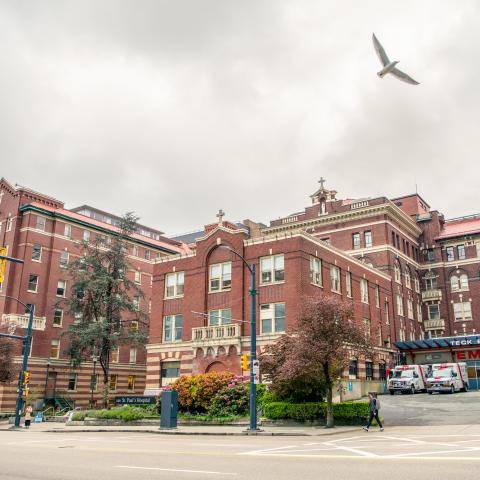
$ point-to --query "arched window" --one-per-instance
(430, 281)
(459, 283)
(464, 281)
(454, 284)
(398, 273)
(408, 278)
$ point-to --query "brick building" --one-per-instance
(39, 230)
(383, 253)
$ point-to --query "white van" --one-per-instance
(408, 379)
(448, 377)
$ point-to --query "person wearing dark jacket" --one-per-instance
(373, 405)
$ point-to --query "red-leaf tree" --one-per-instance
(325, 338)
(7, 367)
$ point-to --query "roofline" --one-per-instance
(21, 188)
(30, 207)
(412, 195)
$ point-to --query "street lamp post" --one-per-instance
(94, 378)
(46, 378)
(253, 339)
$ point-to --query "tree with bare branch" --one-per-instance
(320, 346)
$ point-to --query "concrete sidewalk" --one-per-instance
(189, 430)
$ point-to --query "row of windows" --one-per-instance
(272, 320)
(461, 311)
(407, 276)
(457, 282)
(452, 253)
(369, 372)
(367, 240)
(405, 246)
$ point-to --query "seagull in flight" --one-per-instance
(390, 67)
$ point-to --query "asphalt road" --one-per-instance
(436, 409)
(397, 453)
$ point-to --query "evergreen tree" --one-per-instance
(104, 301)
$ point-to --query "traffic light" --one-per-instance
(26, 377)
(244, 361)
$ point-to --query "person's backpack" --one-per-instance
(377, 403)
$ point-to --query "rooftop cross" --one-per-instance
(220, 216)
(321, 182)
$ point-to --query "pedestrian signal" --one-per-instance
(244, 362)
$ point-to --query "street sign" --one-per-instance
(135, 400)
(256, 371)
(3, 263)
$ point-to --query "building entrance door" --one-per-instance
(51, 384)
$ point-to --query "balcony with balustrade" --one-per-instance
(438, 324)
(14, 320)
(431, 295)
(217, 335)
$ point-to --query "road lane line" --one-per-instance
(174, 470)
(266, 450)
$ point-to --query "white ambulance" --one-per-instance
(448, 377)
(408, 379)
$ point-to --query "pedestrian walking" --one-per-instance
(374, 407)
(28, 416)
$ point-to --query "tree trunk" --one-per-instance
(329, 383)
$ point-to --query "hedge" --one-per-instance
(346, 413)
(125, 413)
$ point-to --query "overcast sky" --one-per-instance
(174, 109)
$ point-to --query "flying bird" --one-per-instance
(388, 66)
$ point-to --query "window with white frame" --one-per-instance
(387, 313)
(363, 290)
(133, 355)
(32, 283)
(272, 318)
(147, 255)
(64, 257)
(172, 328)
(434, 311)
(72, 382)
(174, 283)
(417, 283)
(272, 269)
(368, 239)
(138, 276)
(459, 282)
(67, 230)
(410, 308)
(419, 312)
(40, 223)
(316, 271)
(136, 303)
(115, 355)
(112, 384)
(377, 296)
(399, 305)
(220, 317)
(9, 224)
(408, 278)
(335, 279)
(461, 252)
(54, 348)
(450, 254)
(462, 311)
(348, 284)
(430, 281)
(135, 251)
(86, 235)
(57, 317)
(77, 317)
(398, 272)
(36, 252)
(61, 287)
(355, 241)
(220, 277)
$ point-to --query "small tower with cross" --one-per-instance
(220, 216)
(322, 196)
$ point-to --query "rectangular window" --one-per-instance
(32, 283)
(363, 290)
(353, 368)
(220, 277)
(61, 287)
(64, 257)
(355, 241)
(136, 303)
(9, 224)
(135, 251)
(55, 349)
(377, 296)
(170, 369)
(220, 317)
(272, 269)
(112, 385)
(114, 355)
(419, 312)
(147, 255)
(86, 235)
(367, 325)
(272, 318)
(40, 223)
(172, 328)
(399, 305)
(133, 355)
(382, 371)
(430, 255)
(461, 252)
(450, 254)
(174, 283)
(316, 271)
(368, 239)
(57, 317)
(410, 309)
(36, 253)
(368, 370)
(138, 276)
(434, 312)
(387, 313)
(131, 383)
(67, 231)
(348, 284)
(335, 279)
(462, 311)
(72, 382)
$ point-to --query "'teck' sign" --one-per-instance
(470, 355)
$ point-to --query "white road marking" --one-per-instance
(266, 450)
(403, 455)
(174, 470)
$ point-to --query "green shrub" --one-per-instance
(233, 400)
(346, 413)
(125, 413)
(80, 416)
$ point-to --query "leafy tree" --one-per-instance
(320, 346)
(7, 366)
(103, 300)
